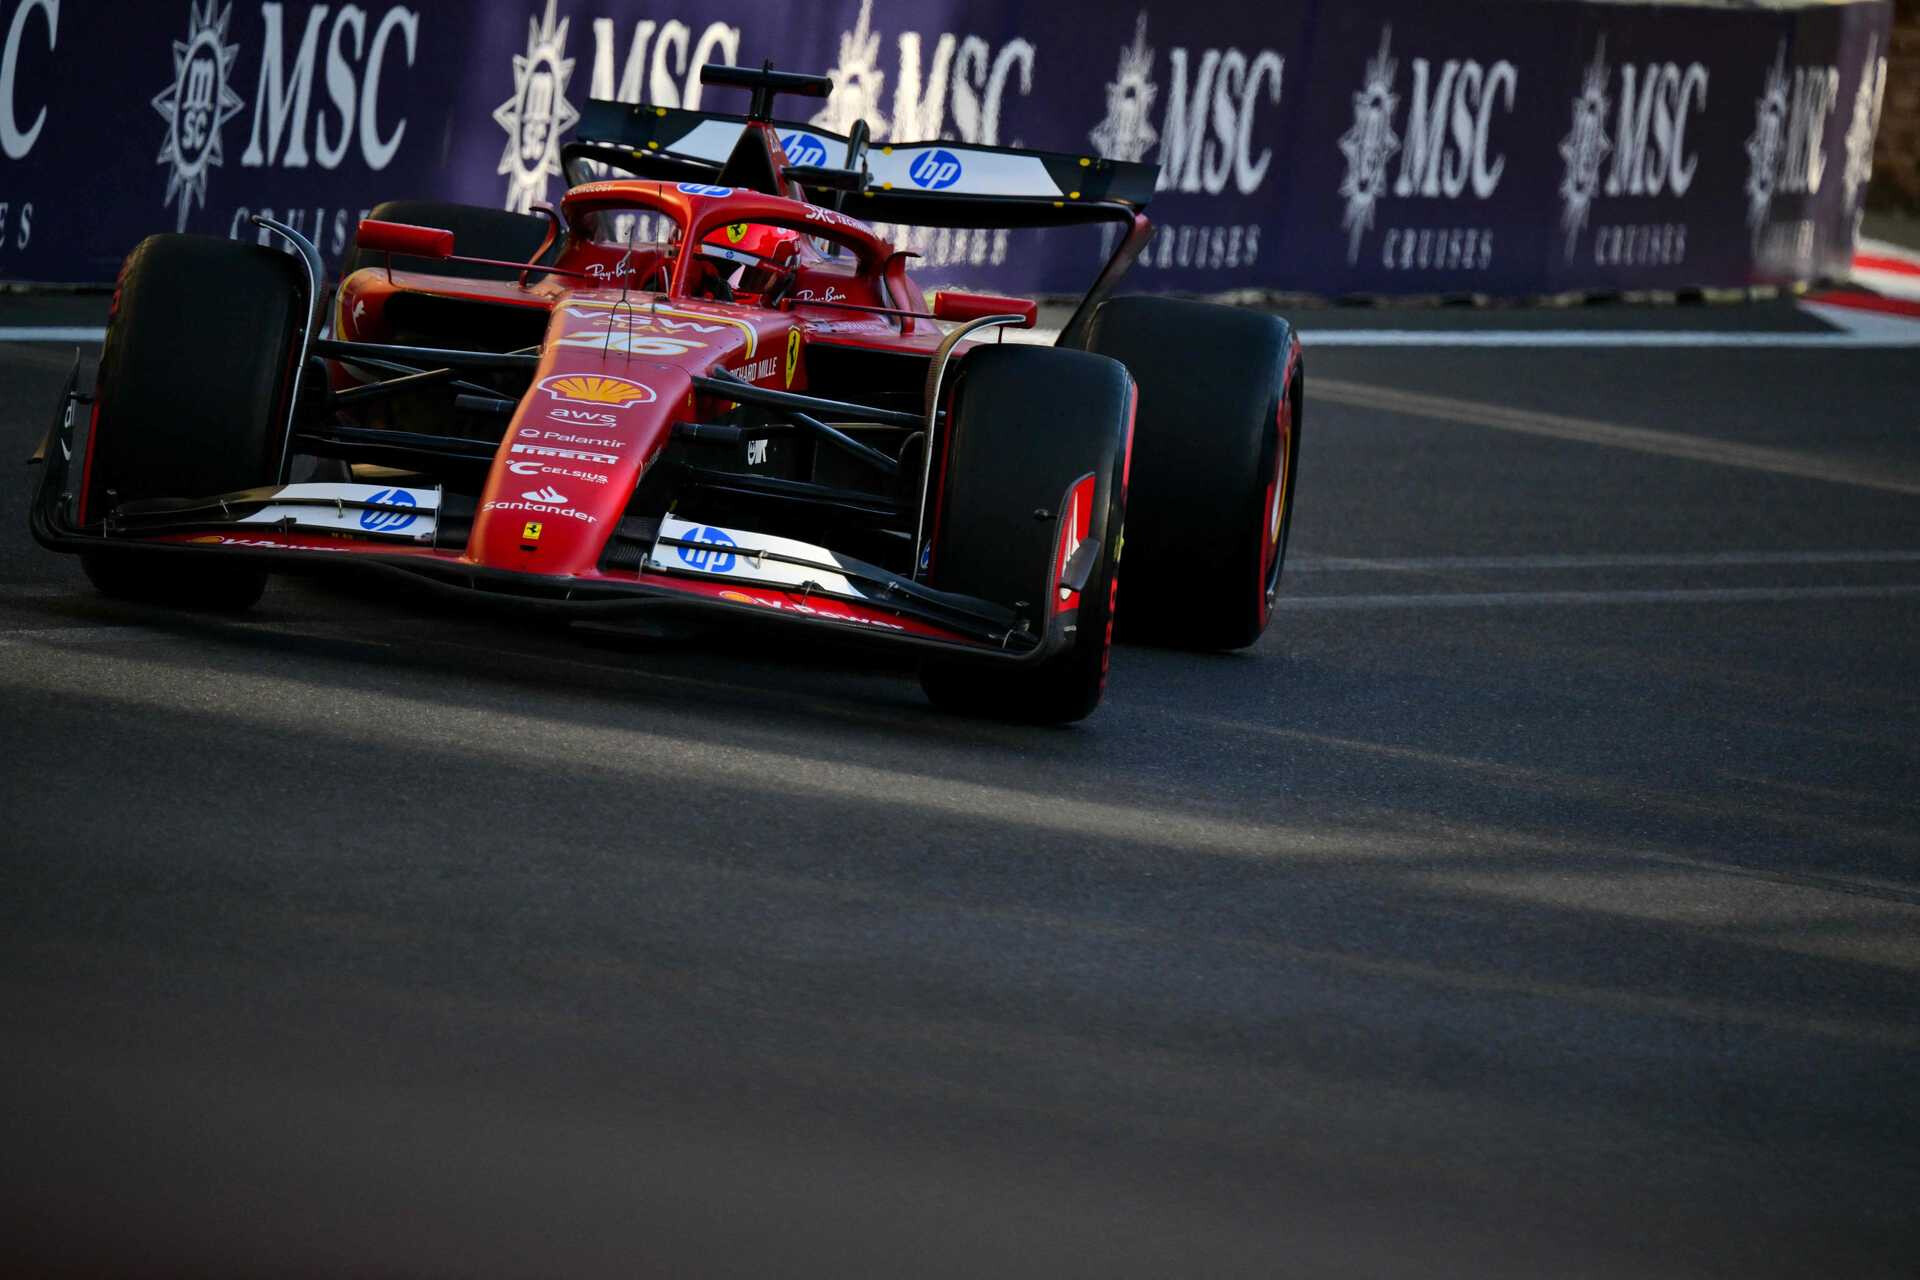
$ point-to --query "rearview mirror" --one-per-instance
(401, 237)
(949, 305)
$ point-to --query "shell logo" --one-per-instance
(594, 388)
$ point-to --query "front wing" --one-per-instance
(392, 533)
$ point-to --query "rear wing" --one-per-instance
(929, 184)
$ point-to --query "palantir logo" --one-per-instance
(378, 521)
(197, 106)
(804, 149)
(935, 170)
(537, 113)
(708, 552)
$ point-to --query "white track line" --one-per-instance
(1555, 426)
(1669, 560)
(1679, 595)
(51, 333)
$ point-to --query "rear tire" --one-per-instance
(1028, 422)
(191, 401)
(1217, 449)
(477, 233)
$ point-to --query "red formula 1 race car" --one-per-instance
(702, 386)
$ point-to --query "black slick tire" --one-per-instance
(191, 401)
(1216, 458)
(1028, 423)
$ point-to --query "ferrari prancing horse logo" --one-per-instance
(793, 354)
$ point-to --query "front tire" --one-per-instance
(191, 401)
(1028, 424)
(1217, 451)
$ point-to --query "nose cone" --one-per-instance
(578, 445)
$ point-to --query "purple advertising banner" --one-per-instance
(1336, 147)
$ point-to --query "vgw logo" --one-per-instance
(935, 170)
(708, 552)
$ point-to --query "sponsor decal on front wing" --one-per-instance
(388, 511)
(685, 547)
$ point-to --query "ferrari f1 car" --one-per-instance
(702, 383)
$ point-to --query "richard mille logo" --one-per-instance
(537, 113)
(197, 105)
(1369, 145)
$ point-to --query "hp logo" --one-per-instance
(935, 170)
(706, 553)
(804, 148)
(389, 521)
(704, 189)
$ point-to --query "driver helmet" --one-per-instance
(757, 245)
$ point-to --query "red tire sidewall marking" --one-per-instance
(1274, 499)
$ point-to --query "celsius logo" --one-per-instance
(935, 170)
(197, 105)
(704, 550)
(537, 113)
(804, 148)
(389, 521)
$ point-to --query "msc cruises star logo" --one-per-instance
(1369, 145)
(197, 105)
(1127, 132)
(1766, 143)
(857, 80)
(1585, 148)
(1865, 122)
(537, 113)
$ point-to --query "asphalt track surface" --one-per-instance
(1541, 897)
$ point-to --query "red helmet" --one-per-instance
(763, 251)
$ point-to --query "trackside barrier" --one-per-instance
(1338, 147)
